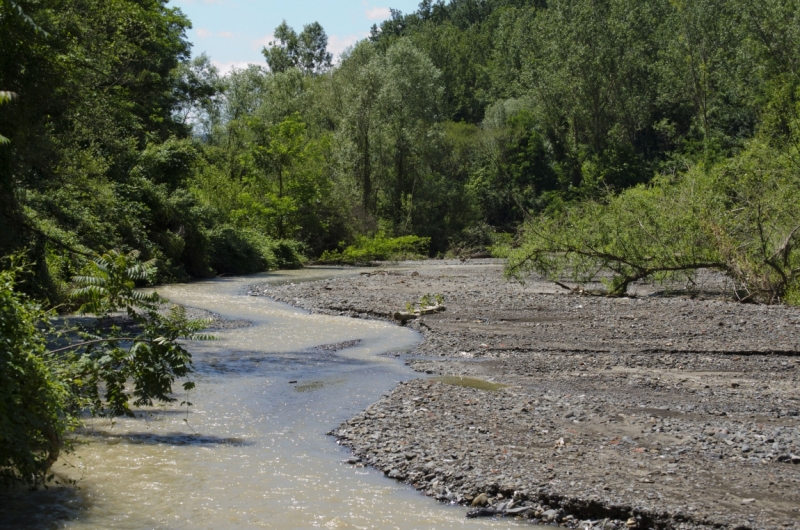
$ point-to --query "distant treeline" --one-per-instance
(457, 123)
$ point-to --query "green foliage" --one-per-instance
(242, 251)
(379, 248)
(307, 51)
(426, 301)
(646, 232)
(452, 124)
(108, 359)
(739, 217)
(33, 399)
(5, 97)
(103, 368)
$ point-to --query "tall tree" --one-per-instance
(307, 51)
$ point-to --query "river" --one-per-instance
(252, 451)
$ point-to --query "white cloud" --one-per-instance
(203, 33)
(226, 68)
(262, 42)
(378, 13)
(337, 44)
(225, 34)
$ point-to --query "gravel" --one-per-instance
(652, 411)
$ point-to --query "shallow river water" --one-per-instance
(252, 451)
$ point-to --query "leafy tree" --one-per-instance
(409, 103)
(307, 51)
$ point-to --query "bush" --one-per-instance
(243, 251)
(43, 392)
(33, 415)
(232, 252)
(379, 248)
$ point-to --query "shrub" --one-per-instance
(379, 248)
(42, 392)
(33, 415)
(245, 251)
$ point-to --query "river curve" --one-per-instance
(251, 452)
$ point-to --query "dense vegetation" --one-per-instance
(645, 138)
(451, 124)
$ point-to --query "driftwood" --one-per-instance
(405, 316)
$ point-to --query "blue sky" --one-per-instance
(232, 32)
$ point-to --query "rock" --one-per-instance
(480, 500)
(482, 512)
(394, 473)
(563, 365)
(551, 516)
(632, 523)
(748, 501)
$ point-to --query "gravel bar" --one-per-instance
(653, 411)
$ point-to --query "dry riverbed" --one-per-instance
(650, 411)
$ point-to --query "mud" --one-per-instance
(670, 409)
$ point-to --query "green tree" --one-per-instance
(409, 104)
(307, 51)
(360, 80)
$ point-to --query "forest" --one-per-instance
(620, 139)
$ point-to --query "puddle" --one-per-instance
(469, 382)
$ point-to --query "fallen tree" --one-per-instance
(741, 218)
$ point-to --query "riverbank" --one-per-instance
(650, 411)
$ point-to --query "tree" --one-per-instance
(199, 86)
(34, 408)
(409, 104)
(360, 79)
(307, 51)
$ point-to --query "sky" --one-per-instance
(232, 32)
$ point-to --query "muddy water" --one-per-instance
(251, 452)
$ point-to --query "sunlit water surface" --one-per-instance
(252, 451)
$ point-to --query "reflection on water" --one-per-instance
(251, 452)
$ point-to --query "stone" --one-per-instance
(482, 512)
(480, 500)
(394, 473)
(551, 516)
